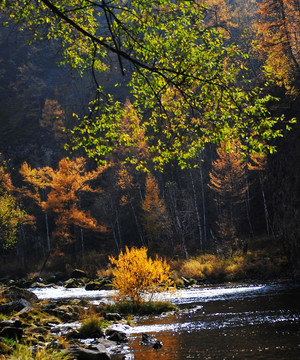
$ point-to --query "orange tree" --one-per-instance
(229, 186)
(62, 188)
(155, 218)
(136, 274)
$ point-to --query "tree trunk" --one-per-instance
(247, 203)
(138, 225)
(119, 229)
(179, 225)
(197, 212)
(288, 37)
(115, 236)
(82, 241)
(47, 232)
(267, 217)
(203, 204)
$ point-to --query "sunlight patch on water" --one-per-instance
(188, 296)
(60, 292)
(216, 321)
(184, 296)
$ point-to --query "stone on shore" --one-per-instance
(88, 354)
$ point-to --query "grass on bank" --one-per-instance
(253, 265)
(265, 260)
(25, 352)
(92, 326)
(126, 308)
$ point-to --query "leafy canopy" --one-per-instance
(187, 81)
(11, 213)
(136, 274)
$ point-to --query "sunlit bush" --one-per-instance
(136, 274)
(192, 269)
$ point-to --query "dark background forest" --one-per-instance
(219, 205)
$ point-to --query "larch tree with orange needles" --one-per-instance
(278, 37)
(228, 183)
(155, 218)
(127, 164)
(62, 187)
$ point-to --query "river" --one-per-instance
(226, 322)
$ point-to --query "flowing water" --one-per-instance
(228, 322)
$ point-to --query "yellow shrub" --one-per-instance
(192, 269)
(135, 274)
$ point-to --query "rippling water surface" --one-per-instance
(229, 322)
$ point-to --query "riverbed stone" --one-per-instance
(12, 306)
(95, 285)
(56, 278)
(10, 322)
(113, 317)
(14, 293)
(99, 284)
(88, 354)
(64, 312)
(11, 332)
(117, 336)
(78, 274)
(74, 283)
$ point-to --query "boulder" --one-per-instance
(14, 293)
(113, 317)
(11, 332)
(87, 354)
(23, 283)
(78, 274)
(38, 284)
(57, 277)
(64, 312)
(74, 283)
(18, 305)
(11, 322)
(94, 285)
(99, 284)
(118, 337)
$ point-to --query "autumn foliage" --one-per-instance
(278, 35)
(58, 190)
(136, 274)
(228, 183)
(12, 215)
(155, 216)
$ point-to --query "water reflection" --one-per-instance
(258, 324)
(230, 322)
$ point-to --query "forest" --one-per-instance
(169, 125)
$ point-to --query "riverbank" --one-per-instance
(80, 326)
(67, 325)
(59, 329)
(269, 263)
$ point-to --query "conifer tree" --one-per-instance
(228, 183)
(63, 187)
(155, 217)
(278, 36)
